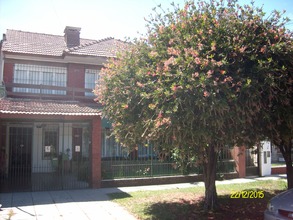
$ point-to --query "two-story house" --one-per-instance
(50, 127)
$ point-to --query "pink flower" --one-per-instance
(242, 49)
(173, 51)
(153, 54)
(206, 94)
(219, 63)
(197, 60)
(263, 49)
(139, 84)
(196, 74)
(173, 27)
(174, 88)
(209, 73)
(222, 72)
(200, 45)
(160, 115)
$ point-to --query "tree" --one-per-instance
(279, 126)
(280, 131)
(199, 81)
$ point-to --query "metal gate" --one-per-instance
(46, 156)
(252, 162)
(20, 146)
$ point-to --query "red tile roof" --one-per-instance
(55, 45)
(43, 107)
(103, 48)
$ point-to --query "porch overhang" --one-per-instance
(9, 106)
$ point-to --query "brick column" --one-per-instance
(96, 153)
(238, 154)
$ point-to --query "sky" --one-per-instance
(97, 19)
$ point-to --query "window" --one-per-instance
(50, 141)
(40, 75)
(110, 148)
(91, 77)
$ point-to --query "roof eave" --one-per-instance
(50, 113)
(65, 58)
(29, 56)
(85, 59)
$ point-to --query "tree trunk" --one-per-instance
(286, 150)
(289, 171)
(209, 176)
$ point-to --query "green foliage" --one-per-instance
(202, 76)
(211, 74)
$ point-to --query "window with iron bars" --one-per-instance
(113, 149)
(40, 75)
(91, 78)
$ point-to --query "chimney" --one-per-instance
(71, 36)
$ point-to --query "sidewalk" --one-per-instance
(86, 204)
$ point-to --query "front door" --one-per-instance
(80, 162)
(20, 145)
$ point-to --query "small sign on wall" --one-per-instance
(77, 148)
(47, 149)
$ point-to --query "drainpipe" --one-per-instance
(2, 58)
(1, 66)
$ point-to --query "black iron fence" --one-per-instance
(145, 162)
(44, 156)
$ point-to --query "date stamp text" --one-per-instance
(248, 194)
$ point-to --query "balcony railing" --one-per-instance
(20, 90)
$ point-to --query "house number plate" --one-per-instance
(77, 148)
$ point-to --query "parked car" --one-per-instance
(280, 207)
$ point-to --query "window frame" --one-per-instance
(89, 83)
(28, 74)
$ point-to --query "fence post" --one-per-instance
(152, 161)
(96, 176)
(239, 158)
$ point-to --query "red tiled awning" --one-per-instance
(44, 107)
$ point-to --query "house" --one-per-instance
(50, 126)
(51, 132)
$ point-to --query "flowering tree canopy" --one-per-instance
(205, 76)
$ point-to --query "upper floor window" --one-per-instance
(40, 75)
(91, 77)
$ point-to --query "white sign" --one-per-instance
(47, 149)
(265, 158)
(77, 148)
